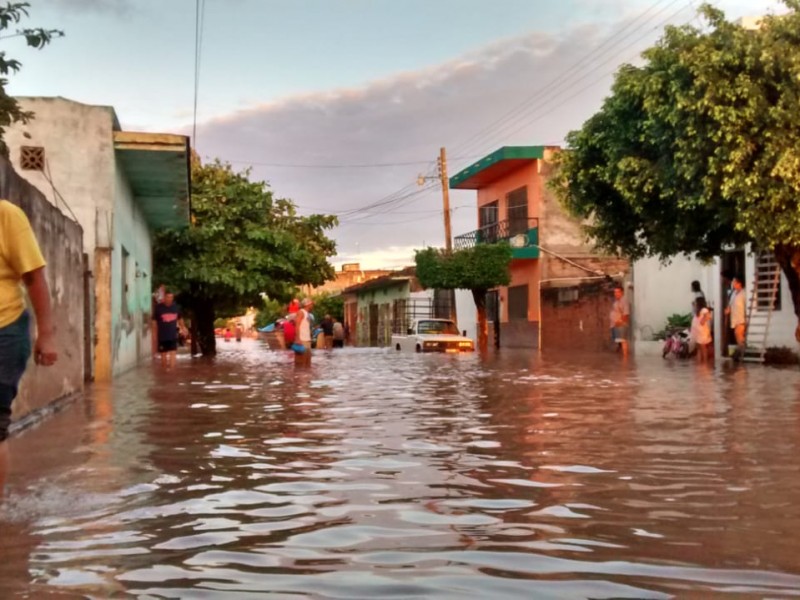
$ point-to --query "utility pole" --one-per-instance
(448, 238)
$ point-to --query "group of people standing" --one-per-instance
(735, 313)
(700, 334)
(299, 330)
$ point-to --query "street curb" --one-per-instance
(39, 415)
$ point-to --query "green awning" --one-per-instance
(494, 166)
(158, 168)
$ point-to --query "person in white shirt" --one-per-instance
(303, 325)
(737, 310)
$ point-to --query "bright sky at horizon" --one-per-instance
(350, 82)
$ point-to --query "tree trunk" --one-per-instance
(483, 327)
(788, 258)
(204, 315)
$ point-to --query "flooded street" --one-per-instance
(380, 475)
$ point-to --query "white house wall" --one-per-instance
(663, 290)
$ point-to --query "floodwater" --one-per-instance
(381, 475)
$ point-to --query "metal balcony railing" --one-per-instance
(495, 232)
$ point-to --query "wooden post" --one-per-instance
(448, 242)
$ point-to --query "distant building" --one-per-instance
(549, 250)
(349, 275)
(120, 186)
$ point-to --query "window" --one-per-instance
(567, 295)
(518, 211)
(31, 158)
(518, 303)
(125, 282)
(487, 221)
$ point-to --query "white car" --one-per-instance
(433, 335)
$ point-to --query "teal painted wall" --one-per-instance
(130, 310)
(383, 298)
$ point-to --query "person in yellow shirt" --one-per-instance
(21, 261)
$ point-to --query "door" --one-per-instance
(732, 264)
(487, 222)
(373, 324)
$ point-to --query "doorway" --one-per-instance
(732, 264)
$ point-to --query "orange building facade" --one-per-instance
(549, 249)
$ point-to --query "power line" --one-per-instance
(338, 166)
(557, 87)
(554, 103)
(200, 8)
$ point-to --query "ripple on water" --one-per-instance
(380, 474)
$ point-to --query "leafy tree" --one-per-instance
(478, 269)
(242, 243)
(11, 14)
(699, 148)
(328, 304)
(271, 310)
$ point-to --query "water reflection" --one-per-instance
(376, 474)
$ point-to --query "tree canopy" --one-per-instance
(698, 148)
(479, 269)
(11, 14)
(482, 267)
(243, 243)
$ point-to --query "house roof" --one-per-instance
(158, 168)
(494, 166)
(398, 277)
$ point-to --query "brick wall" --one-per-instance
(575, 318)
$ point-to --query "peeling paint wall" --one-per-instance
(61, 241)
(83, 172)
(131, 283)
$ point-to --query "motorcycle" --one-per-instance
(677, 343)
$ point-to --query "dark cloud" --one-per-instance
(407, 117)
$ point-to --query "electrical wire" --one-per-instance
(200, 8)
(338, 166)
(566, 81)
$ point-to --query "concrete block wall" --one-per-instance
(61, 241)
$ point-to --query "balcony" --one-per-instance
(522, 234)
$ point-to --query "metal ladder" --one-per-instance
(762, 303)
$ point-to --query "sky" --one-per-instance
(342, 104)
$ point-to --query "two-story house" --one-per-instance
(549, 250)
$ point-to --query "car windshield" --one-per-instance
(437, 327)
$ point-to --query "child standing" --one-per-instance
(701, 330)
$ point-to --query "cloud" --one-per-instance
(406, 118)
(87, 6)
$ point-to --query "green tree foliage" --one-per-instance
(270, 311)
(699, 148)
(11, 14)
(328, 304)
(478, 269)
(243, 242)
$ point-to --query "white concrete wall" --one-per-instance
(662, 290)
(79, 148)
(466, 313)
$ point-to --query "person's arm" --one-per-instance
(299, 316)
(39, 293)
